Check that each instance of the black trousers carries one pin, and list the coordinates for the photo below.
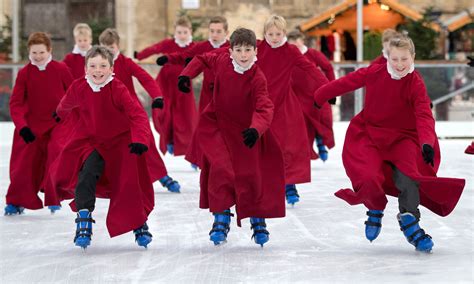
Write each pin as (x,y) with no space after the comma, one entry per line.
(409,197)
(88,176)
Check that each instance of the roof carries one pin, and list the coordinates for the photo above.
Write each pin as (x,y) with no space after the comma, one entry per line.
(459,20)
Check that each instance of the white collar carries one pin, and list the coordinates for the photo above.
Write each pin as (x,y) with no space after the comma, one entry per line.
(183,43)
(239,69)
(77,50)
(278,44)
(96,88)
(385,54)
(304,49)
(395,76)
(42,67)
(218,44)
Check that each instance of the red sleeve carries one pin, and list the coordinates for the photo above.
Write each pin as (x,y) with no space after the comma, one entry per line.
(66,77)
(151,50)
(314,73)
(18,105)
(148,83)
(425,123)
(325,65)
(199,63)
(350,82)
(263,115)
(68,102)
(139,124)
(180,57)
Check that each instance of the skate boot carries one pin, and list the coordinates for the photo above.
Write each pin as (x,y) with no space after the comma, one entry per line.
(260,233)
(13,210)
(373,225)
(292,196)
(84,228)
(414,234)
(195,167)
(170,184)
(142,236)
(170,148)
(54,208)
(322,150)
(220,227)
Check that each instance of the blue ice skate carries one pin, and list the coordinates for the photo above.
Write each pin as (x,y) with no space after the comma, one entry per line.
(195,167)
(292,196)
(54,208)
(414,234)
(170,184)
(84,228)
(373,225)
(14,210)
(260,233)
(142,236)
(220,227)
(322,150)
(170,148)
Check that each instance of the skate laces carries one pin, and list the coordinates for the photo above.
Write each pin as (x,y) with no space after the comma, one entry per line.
(167,181)
(258,226)
(84,225)
(375,218)
(142,231)
(221,222)
(417,235)
(291,190)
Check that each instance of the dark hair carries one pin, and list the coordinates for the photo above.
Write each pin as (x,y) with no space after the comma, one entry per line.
(219,20)
(103,51)
(294,35)
(109,36)
(243,36)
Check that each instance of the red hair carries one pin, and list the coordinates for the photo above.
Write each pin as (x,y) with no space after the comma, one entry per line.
(39,38)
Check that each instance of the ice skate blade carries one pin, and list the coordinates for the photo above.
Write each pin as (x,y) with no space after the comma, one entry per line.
(219,243)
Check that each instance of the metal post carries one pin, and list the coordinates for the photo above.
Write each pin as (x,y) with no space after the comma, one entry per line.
(15,31)
(358,101)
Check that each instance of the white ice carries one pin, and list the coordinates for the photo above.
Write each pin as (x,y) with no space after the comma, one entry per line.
(320,240)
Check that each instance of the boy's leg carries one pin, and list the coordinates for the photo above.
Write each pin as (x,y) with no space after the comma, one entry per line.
(86,184)
(409,197)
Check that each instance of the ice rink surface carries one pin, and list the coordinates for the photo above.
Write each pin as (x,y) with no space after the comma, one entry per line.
(321,240)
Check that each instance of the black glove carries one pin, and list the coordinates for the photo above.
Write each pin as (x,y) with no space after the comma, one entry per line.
(157,103)
(135,54)
(137,148)
(184,84)
(187,60)
(162,60)
(250,136)
(428,154)
(27,135)
(471,61)
(332,101)
(56,117)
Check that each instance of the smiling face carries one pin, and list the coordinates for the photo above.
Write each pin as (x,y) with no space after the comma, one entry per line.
(98,69)
(400,59)
(83,42)
(243,54)
(217,33)
(182,34)
(274,35)
(39,54)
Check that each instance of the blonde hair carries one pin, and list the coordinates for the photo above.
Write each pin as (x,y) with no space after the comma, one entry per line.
(388,34)
(275,20)
(109,36)
(403,42)
(183,22)
(82,29)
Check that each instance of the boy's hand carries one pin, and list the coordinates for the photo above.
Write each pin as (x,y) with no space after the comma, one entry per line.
(471,61)
(27,135)
(428,154)
(184,84)
(250,136)
(56,117)
(162,60)
(332,101)
(135,54)
(157,103)
(187,60)
(137,148)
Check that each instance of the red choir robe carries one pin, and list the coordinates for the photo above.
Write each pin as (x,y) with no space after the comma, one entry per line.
(395,122)
(232,174)
(304,89)
(109,120)
(76,64)
(125,69)
(177,120)
(288,122)
(34,99)
(208,78)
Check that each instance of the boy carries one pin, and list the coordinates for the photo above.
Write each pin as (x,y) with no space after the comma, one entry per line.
(387,35)
(319,123)
(96,153)
(391,146)
(125,69)
(178,118)
(39,87)
(242,164)
(75,60)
